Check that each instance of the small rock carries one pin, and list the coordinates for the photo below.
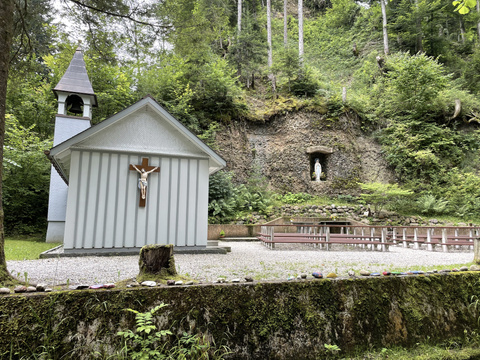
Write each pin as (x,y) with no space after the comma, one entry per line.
(303,276)
(375,274)
(81,287)
(317,275)
(179,282)
(4,291)
(109,286)
(41,287)
(249,279)
(95,287)
(444,271)
(31,289)
(48,290)
(150,283)
(20,289)
(170,282)
(474,268)
(464,268)
(189,283)
(220,280)
(454,270)
(331,275)
(351,273)
(235,280)
(133,284)
(430,272)
(364,272)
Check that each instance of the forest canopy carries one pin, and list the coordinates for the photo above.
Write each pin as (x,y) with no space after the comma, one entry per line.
(411,72)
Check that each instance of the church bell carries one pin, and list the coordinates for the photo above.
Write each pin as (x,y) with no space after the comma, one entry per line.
(74,104)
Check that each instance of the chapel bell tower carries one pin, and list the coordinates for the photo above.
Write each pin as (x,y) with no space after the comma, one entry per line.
(76,98)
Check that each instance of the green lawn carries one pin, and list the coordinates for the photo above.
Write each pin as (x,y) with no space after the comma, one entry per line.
(26,248)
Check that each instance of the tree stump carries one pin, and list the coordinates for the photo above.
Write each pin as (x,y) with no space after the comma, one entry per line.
(156,262)
(476,251)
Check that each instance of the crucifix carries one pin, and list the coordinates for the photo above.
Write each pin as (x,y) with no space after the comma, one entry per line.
(144,170)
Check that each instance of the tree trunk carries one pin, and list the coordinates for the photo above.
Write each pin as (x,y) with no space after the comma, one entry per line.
(269,41)
(385,33)
(300,31)
(239,30)
(285,32)
(269,33)
(418,24)
(462,31)
(478,23)
(156,262)
(6,35)
(239,18)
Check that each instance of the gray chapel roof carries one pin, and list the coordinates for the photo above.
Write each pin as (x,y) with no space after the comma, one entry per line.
(75,79)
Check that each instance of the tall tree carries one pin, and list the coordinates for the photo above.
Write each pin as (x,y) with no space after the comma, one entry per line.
(6,35)
(418,25)
(285,23)
(269,41)
(239,17)
(300,31)
(269,33)
(384,27)
(478,22)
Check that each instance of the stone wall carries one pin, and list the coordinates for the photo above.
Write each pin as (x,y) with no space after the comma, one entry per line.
(272,320)
(279,149)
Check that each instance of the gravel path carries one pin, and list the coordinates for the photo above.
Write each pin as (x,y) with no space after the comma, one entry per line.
(246,259)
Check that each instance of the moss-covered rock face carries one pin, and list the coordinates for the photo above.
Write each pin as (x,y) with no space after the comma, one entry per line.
(274,320)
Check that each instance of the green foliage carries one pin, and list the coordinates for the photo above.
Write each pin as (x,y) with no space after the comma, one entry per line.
(148,342)
(464,6)
(221,197)
(197,93)
(31,100)
(26,178)
(412,84)
(378,194)
(298,198)
(228,201)
(461,190)
(430,205)
(145,340)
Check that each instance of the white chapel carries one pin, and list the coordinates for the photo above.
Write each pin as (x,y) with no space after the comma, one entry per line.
(137,178)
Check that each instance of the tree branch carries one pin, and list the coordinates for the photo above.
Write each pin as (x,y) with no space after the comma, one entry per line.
(119,15)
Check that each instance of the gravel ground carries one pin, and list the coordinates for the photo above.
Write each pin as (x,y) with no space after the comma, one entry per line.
(245,259)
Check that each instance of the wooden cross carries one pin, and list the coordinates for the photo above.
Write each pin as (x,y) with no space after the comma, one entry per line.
(144,170)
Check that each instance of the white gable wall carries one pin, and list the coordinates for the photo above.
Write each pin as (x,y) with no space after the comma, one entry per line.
(142,131)
(103,211)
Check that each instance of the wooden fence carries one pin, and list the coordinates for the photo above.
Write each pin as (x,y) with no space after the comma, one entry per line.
(371,237)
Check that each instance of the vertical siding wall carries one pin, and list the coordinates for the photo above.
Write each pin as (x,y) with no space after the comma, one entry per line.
(103,211)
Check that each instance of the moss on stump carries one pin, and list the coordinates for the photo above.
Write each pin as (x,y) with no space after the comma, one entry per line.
(156,263)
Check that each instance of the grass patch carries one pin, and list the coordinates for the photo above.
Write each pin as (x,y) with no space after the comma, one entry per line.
(422,352)
(26,248)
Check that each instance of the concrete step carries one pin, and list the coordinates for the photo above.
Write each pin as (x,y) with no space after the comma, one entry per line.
(231,238)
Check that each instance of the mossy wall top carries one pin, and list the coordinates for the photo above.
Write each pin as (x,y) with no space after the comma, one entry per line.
(273,320)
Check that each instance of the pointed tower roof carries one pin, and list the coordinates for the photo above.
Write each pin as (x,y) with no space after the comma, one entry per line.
(75,79)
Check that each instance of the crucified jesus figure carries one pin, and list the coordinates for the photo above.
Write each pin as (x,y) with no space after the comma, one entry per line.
(142,181)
